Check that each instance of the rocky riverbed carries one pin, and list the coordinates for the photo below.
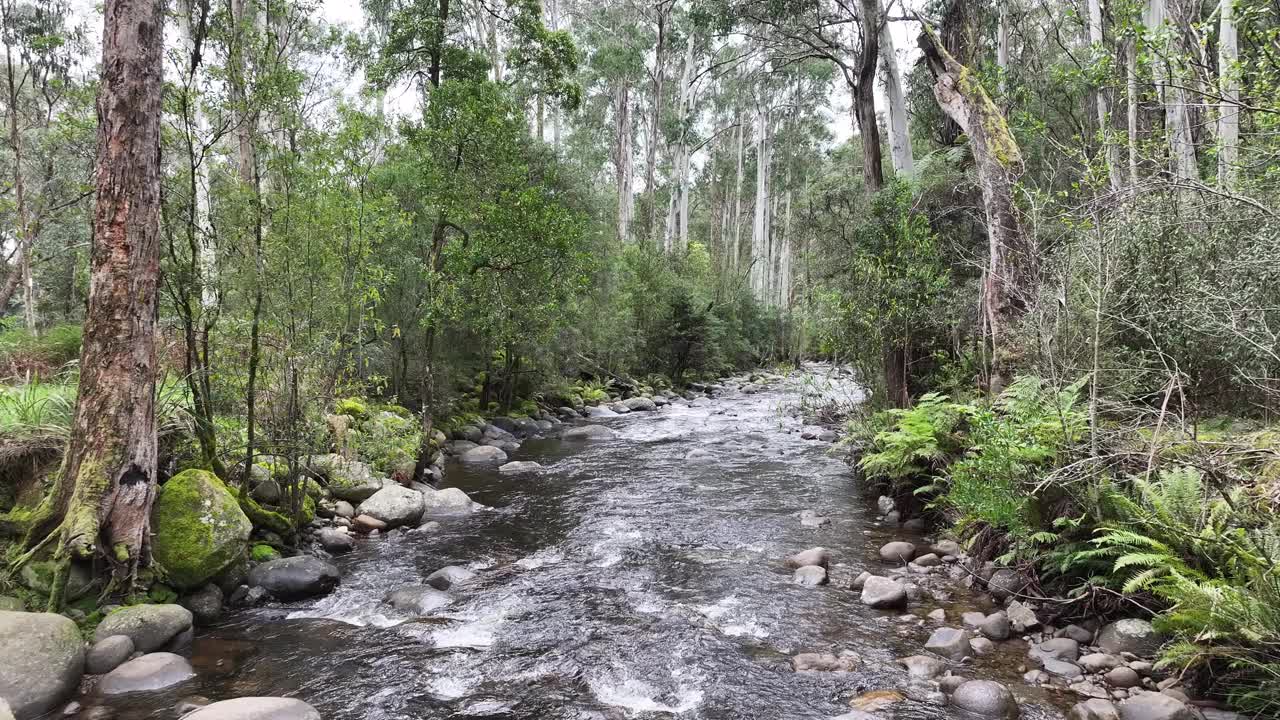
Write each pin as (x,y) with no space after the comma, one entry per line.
(701,555)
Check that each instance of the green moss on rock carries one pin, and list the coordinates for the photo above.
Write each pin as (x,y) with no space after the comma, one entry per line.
(262,553)
(199,528)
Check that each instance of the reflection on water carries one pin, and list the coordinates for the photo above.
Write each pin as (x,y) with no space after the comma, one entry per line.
(627,580)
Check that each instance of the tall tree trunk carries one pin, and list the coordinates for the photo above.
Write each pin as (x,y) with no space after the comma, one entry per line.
(1101,102)
(736,246)
(1229,89)
(761,224)
(1011,257)
(1131,109)
(107,483)
(1174,96)
(865,104)
(900,151)
(655,118)
(622,159)
(26,242)
(1002,47)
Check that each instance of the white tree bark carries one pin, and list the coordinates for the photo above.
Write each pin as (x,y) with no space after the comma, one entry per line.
(1131,101)
(1002,47)
(1229,89)
(623,155)
(207,259)
(899,133)
(1182,148)
(1101,102)
(761,224)
(736,256)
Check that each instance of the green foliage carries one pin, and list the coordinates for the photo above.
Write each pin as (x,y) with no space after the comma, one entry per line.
(918,442)
(37,409)
(388,441)
(22,352)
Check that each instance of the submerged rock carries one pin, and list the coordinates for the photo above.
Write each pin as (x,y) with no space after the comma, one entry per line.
(587,433)
(417,599)
(198,528)
(809,576)
(153,671)
(41,661)
(448,576)
(150,627)
(825,662)
(923,666)
(256,708)
(295,578)
(521,467)
(813,556)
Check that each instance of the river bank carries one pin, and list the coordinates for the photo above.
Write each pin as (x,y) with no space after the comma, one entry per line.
(639,573)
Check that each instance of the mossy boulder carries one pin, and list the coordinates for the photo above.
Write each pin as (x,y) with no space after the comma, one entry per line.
(38,575)
(263,553)
(348,480)
(199,528)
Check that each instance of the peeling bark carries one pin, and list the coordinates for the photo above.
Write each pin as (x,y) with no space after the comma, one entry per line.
(1011,255)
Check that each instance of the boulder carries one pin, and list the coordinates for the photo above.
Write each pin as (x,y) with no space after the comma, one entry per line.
(884,504)
(395,506)
(107,654)
(198,528)
(1130,636)
(417,599)
(1062,668)
(470,433)
(809,576)
(923,666)
(949,683)
(484,455)
(882,593)
(1057,649)
(1100,662)
(597,411)
(256,708)
(344,509)
(928,560)
(985,699)
(448,576)
(367,524)
(205,604)
(1005,582)
(1123,677)
(458,447)
(1021,617)
(449,501)
(348,480)
(813,556)
(1093,709)
(995,626)
(153,671)
(150,627)
(335,541)
(1077,633)
(1154,706)
(859,580)
(814,521)
(897,552)
(950,643)
(41,661)
(295,578)
(521,467)
(825,662)
(640,404)
(620,408)
(942,548)
(588,433)
(981,646)
(38,576)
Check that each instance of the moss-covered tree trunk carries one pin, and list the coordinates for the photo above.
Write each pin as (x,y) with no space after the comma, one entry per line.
(1011,254)
(102,501)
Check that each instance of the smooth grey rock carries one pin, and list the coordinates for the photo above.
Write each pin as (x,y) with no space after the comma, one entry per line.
(521,467)
(809,576)
(344,509)
(986,699)
(640,404)
(41,661)
(448,576)
(107,654)
(152,671)
(981,645)
(882,593)
(256,708)
(995,626)
(1021,617)
(923,666)
(1077,633)
(1056,648)
(950,643)
(449,501)
(928,560)
(859,581)
(458,447)
(599,411)
(588,433)
(417,599)
(396,505)
(813,556)
(295,578)
(1094,709)
(1062,668)
(943,548)
(1005,582)
(1130,636)
(949,683)
(1100,662)
(620,408)
(1154,706)
(973,619)
(1123,677)
(484,455)
(898,551)
(884,504)
(205,604)
(825,662)
(335,541)
(149,626)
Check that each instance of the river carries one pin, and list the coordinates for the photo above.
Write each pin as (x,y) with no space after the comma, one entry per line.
(626,581)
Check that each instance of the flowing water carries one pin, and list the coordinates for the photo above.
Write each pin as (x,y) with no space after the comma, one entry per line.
(626,581)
